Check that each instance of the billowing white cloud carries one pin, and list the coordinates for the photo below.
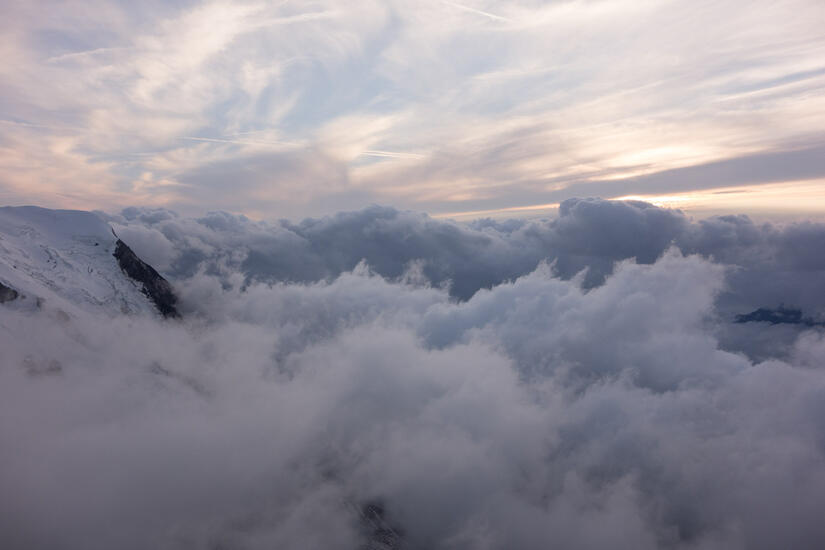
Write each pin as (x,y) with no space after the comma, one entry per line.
(542,408)
(588,233)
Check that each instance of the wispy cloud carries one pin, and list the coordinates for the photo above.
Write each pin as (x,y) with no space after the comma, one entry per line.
(477,116)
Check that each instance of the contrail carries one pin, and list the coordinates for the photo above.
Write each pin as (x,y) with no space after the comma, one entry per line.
(241,142)
(227,139)
(391,154)
(496,210)
(48,126)
(77,55)
(477,11)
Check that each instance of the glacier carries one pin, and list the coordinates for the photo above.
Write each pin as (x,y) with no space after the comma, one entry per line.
(69,259)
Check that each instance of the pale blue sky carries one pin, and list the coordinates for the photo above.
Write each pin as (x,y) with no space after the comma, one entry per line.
(293,108)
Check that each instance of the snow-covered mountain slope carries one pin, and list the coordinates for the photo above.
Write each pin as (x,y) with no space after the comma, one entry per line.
(66,259)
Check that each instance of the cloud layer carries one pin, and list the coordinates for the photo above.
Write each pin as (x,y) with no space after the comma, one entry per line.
(769,263)
(534,405)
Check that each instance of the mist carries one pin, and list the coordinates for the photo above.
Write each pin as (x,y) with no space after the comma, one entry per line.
(576,382)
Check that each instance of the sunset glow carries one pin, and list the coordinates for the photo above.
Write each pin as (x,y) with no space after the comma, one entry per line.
(803,199)
(443,107)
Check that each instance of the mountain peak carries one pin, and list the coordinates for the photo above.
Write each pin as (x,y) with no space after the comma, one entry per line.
(73,259)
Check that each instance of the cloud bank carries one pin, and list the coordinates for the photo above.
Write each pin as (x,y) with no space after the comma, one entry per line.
(471,381)
(767,263)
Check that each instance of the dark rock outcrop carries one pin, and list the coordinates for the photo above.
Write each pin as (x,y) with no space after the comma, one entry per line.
(379,534)
(154,286)
(7,294)
(778,316)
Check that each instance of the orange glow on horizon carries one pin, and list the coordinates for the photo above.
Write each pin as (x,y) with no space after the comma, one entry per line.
(802,198)
(786,200)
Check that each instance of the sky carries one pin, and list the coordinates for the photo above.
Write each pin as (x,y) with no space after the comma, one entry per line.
(459,109)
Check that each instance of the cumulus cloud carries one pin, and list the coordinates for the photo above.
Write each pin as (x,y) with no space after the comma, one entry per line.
(325,366)
(768,263)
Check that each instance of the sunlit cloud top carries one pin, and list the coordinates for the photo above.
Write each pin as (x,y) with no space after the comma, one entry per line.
(291,108)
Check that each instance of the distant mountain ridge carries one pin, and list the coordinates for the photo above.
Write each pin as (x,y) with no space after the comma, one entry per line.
(779,316)
(73,259)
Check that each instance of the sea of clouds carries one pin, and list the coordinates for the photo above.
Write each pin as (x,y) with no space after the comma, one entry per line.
(571,383)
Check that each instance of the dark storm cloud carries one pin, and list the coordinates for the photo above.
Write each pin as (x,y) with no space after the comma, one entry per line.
(550,409)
